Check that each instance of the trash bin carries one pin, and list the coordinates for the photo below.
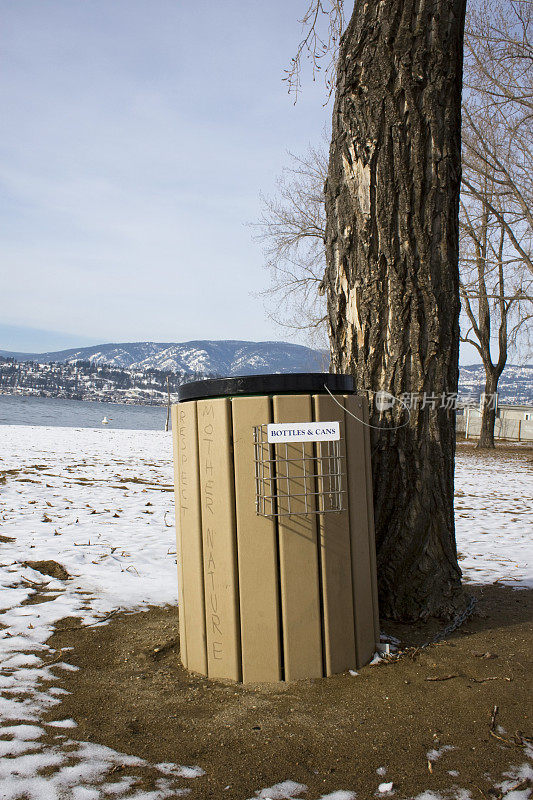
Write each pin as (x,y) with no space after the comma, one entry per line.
(275,535)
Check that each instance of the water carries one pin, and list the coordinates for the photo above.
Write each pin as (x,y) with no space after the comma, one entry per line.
(15,410)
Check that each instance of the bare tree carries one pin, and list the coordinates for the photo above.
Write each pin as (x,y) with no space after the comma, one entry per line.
(392,278)
(498,113)
(496,291)
(392,248)
(291,230)
(497,187)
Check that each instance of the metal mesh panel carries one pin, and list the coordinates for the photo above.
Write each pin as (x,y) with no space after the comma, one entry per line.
(298,478)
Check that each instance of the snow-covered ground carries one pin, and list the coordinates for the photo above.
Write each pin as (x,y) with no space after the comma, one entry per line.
(100,503)
(494,519)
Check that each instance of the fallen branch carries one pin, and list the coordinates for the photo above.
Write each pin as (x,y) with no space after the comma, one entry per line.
(518,740)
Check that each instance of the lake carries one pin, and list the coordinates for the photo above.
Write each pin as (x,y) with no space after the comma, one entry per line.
(16,410)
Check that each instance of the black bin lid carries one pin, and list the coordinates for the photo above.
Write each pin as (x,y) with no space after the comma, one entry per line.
(289,383)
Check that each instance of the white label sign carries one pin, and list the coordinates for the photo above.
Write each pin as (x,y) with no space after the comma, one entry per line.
(303,432)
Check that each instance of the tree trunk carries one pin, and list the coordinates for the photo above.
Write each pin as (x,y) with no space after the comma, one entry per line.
(392,279)
(488,412)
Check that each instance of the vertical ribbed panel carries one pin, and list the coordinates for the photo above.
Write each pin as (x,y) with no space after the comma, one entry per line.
(363,601)
(179,547)
(257,549)
(219,539)
(335,557)
(192,612)
(300,597)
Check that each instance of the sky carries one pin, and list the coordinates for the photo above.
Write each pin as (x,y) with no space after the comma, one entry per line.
(137,141)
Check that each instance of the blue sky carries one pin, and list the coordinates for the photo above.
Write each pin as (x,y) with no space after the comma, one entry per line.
(137,139)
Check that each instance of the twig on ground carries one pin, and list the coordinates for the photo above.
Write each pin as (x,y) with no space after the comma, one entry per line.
(89,625)
(518,740)
(442,677)
(522,784)
(34,584)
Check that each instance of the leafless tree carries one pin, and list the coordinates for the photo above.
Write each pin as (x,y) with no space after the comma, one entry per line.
(496,193)
(392,278)
(392,245)
(498,113)
(496,298)
(496,218)
(291,229)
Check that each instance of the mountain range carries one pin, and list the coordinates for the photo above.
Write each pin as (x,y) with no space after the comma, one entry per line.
(226,357)
(229,357)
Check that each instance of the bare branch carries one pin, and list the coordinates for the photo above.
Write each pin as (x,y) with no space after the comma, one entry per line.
(322,27)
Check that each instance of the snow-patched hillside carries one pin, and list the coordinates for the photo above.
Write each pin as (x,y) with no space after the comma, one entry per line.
(209,357)
(228,357)
(515,386)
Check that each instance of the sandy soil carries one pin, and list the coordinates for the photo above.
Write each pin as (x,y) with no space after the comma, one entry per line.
(329,734)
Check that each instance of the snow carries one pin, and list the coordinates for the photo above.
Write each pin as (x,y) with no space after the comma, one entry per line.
(522,773)
(494,519)
(434,755)
(342,794)
(100,503)
(385,788)
(290,790)
(282,791)
(78,479)
(453,794)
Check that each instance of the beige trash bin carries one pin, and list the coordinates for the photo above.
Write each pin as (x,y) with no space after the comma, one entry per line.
(276,554)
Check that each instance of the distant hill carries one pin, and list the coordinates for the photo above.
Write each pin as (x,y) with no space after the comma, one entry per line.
(515,385)
(209,357)
(228,357)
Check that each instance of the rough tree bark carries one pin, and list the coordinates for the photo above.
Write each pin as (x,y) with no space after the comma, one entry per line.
(392,279)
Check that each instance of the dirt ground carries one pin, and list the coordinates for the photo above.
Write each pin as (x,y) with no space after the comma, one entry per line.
(329,734)
(502,448)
